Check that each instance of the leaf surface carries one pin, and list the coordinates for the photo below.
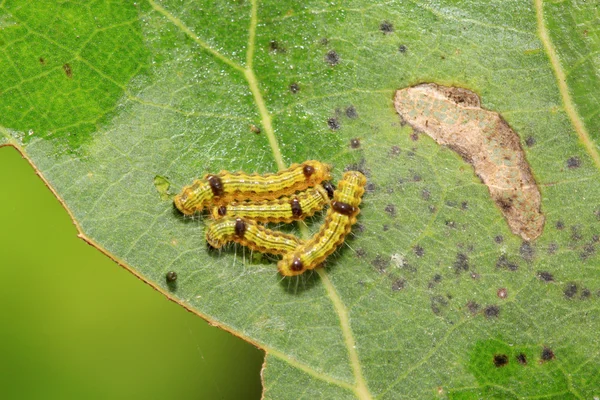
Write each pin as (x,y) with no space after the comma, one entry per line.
(120,105)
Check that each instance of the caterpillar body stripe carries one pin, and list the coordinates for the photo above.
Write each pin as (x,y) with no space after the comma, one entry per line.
(250,234)
(338,223)
(226,187)
(285,209)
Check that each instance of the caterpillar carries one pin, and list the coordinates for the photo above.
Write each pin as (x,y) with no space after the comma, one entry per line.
(338,223)
(250,234)
(225,187)
(285,209)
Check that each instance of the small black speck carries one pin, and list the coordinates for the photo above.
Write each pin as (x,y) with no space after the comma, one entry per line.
(547,354)
(391,210)
(527,251)
(500,360)
(386,228)
(464,205)
(522,358)
(294,88)
(570,290)
(461,263)
(171,276)
(451,224)
(530,141)
(355,143)
(573,162)
(398,285)
(386,27)
(491,311)
(545,276)
(588,250)
(351,112)
(324,41)
(504,263)
(499,239)
(68,70)
(402,48)
(585,293)
(360,252)
(275,47)
(333,124)
(417,178)
(419,251)
(560,225)
(332,58)
(42,61)
(576,234)
(414,137)
(473,307)
(395,151)
(370,188)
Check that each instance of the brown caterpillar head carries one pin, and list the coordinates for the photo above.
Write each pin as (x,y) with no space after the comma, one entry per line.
(193,198)
(316,172)
(291,265)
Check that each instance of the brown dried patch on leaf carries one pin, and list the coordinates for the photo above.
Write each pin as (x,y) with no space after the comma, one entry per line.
(453,117)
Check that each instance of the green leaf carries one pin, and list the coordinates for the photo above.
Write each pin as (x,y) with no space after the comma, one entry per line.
(432,295)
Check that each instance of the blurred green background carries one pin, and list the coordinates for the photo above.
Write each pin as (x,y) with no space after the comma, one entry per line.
(76,325)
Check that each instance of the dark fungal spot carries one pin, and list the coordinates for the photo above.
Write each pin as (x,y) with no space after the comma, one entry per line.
(588,250)
(343,208)
(414,136)
(417,178)
(522,358)
(360,252)
(333,124)
(438,303)
(398,284)
(240,228)
(491,311)
(391,210)
(216,185)
(402,48)
(570,290)
(386,228)
(527,251)
(552,247)
(42,61)
(386,27)
(296,207)
(464,205)
(545,276)
(294,88)
(308,170)
(502,293)
(328,188)
(419,251)
(585,293)
(355,143)
(437,278)
(297,265)
(370,188)
(394,151)
(171,276)
(254,128)
(499,239)
(504,263)
(560,225)
(530,141)
(576,234)
(324,41)
(500,360)
(68,70)
(473,307)
(351,112)
(461,263)
(547,354)
(222,210)
(573,162)
(332,58)
(379,263)
(276,47)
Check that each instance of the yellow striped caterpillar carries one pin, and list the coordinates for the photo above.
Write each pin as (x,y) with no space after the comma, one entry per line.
(338,223)
(226,187)
(285,209)
(250,234)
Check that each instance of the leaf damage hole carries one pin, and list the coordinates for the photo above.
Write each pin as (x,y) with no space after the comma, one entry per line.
(454,117)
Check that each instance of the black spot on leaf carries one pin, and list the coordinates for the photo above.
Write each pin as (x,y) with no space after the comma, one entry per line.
(570,290)
(504,263)
(333,124)
(419,251)
(498,239)
(545,276)
(276,47)
(491,311)
(530,141)
(294,88)
(391,210)
(522,358)
(438,303)
(380,264)
(461,263)
(576,233)
(500,360)
(332,58)
(395,150)
(473,307)
(355,143)
(527,251)
(386,27)
(351,112)
(573,162)
(402,48)
(560,225)
(398,284)
(68,70)
(547,354)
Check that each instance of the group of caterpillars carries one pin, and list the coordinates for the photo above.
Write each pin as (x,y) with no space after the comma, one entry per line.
(240,202)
